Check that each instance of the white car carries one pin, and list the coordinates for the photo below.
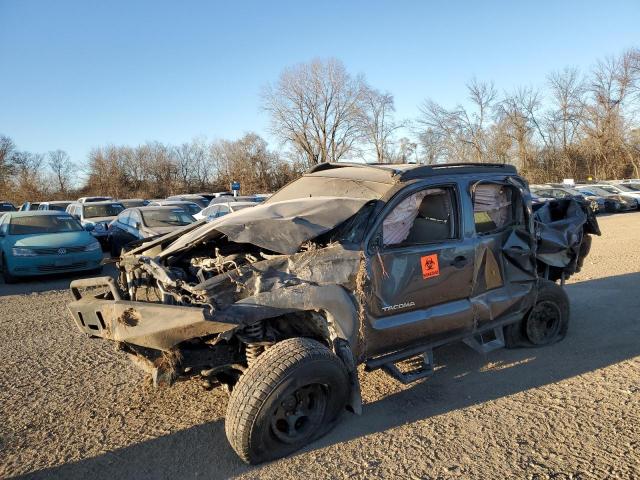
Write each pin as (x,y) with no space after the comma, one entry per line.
(619,189)
(221,209)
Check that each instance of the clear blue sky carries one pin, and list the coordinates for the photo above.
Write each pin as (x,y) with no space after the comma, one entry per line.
(79,74)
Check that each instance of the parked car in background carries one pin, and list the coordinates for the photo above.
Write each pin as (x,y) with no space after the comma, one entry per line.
(58,206)
(564,191)
(239,198)
(635,186)
(263,196)
(620,190)
(629,180)
(28,206)
(133,202)
(96,216)
(211,195)
(41,242)
(6,206)
(198,199)
(539,199)
(622,203)
(222,209)
(94,199)
(190,207)
(144,222)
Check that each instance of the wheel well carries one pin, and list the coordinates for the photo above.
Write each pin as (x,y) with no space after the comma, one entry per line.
(305,323)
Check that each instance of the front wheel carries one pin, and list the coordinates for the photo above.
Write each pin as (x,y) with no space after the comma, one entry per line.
(292,395)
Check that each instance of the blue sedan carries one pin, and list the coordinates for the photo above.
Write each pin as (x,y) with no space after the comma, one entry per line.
(42,242)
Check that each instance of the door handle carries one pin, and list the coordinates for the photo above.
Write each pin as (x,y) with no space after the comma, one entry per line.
(460,261)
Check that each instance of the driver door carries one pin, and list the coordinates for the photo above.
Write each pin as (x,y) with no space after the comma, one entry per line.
(420,270)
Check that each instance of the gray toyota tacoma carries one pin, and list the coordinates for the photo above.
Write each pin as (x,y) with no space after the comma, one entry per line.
(350,264)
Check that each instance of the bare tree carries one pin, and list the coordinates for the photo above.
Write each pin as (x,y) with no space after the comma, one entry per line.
(249,161)
(377,122)
(483,96)
(62,168)
(461,133)
(432,146)
(315,108)
(518,112)
(7,149)
(604,117)
(28,178)
(567,94)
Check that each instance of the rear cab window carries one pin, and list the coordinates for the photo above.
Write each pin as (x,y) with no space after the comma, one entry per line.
(496,206)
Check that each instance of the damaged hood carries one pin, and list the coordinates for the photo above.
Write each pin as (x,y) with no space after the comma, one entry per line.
(281,227)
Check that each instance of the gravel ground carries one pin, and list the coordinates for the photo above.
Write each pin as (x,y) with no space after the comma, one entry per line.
(73,408)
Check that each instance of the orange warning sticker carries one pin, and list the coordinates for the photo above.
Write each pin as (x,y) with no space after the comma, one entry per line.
(430,266)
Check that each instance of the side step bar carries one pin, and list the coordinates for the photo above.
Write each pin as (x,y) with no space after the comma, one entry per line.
(485,342)
(423,371)
(482,345)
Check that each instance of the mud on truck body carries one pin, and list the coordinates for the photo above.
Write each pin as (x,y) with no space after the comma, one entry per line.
(350,264)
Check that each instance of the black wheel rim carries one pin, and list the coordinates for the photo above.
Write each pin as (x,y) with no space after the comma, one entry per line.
(299,414)
(544,323)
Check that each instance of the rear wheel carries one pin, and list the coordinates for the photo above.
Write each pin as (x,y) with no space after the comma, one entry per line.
(292,395)
(547,322)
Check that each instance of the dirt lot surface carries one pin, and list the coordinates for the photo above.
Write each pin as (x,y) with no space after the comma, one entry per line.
(73,408)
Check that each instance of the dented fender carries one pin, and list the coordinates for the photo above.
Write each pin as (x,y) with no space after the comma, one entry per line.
(334,301)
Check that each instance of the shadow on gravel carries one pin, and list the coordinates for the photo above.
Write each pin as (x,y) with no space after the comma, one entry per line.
(604,330)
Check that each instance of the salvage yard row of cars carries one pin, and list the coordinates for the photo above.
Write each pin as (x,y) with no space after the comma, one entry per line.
(609,197)
(118,223)
(63,236)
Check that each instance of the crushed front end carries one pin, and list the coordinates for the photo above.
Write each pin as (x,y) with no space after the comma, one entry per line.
(196,303)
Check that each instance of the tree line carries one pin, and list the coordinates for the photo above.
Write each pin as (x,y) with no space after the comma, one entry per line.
(577,125)
(151,170)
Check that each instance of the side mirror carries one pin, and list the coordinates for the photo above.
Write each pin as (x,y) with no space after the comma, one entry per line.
(138,226)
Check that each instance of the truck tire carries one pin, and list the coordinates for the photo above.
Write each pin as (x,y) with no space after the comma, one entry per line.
(547,322)
(293,394)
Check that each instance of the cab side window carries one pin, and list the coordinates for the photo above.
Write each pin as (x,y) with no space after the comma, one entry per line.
(427,216)
(495,206)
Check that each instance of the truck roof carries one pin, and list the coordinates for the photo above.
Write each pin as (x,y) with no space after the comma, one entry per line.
(392,172)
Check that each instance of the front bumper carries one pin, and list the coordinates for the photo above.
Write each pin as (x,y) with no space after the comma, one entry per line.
(48,264)
(150,325)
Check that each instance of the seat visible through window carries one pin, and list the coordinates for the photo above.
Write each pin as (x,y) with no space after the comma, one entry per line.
(433,222)
(427,216)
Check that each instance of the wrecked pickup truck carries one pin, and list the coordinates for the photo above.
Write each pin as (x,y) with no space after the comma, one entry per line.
(350,264)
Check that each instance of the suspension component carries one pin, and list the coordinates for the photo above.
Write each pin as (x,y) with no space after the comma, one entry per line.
(253,350)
